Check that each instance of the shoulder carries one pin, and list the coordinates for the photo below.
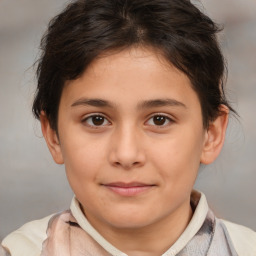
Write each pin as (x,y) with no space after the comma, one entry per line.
(243,238)
(28,239)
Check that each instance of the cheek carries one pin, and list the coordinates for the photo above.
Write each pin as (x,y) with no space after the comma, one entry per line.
(82,170)
(83,158)
(178,157)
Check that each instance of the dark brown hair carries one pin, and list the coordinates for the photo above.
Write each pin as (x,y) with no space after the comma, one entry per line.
(86,29)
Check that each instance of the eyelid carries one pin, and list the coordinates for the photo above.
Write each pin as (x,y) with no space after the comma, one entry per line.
(168,117)
(86,117)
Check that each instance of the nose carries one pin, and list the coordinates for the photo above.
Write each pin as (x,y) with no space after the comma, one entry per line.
(126,149)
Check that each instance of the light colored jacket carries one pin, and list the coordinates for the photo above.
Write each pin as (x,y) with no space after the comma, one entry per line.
(70,233)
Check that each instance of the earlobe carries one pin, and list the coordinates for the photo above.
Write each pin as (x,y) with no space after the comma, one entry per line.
(215,137)
(51,139)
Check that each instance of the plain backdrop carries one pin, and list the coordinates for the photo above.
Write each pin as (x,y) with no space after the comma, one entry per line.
(33,186)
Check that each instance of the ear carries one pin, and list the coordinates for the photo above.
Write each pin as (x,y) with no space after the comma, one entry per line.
(51,139)
(215,136)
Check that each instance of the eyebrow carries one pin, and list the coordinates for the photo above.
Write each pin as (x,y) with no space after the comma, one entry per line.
(161,103)
(142,105)
(92,102)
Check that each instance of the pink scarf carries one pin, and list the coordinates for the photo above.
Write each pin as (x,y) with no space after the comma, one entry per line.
(67,238)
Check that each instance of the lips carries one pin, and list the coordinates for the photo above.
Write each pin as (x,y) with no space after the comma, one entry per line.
(128,189)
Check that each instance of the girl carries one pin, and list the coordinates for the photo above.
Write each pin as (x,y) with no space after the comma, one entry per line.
(130,98)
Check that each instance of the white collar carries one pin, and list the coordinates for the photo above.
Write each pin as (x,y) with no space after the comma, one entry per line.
(194,225)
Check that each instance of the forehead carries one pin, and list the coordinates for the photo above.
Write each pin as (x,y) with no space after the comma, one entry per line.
(130,76)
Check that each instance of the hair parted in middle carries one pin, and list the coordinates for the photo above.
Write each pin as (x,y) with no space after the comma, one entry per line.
(88,29)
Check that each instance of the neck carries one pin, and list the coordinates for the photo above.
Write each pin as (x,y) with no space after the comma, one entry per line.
(154,239)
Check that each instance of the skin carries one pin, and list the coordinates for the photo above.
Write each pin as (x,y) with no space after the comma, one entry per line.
(132,173)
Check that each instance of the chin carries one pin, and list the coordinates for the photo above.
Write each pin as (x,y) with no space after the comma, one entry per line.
(129,220)
(129,224)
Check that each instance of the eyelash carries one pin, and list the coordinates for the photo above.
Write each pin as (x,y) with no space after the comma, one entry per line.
(85,121)
(166,119)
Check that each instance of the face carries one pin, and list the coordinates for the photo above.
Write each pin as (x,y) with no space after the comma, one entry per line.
(131,137)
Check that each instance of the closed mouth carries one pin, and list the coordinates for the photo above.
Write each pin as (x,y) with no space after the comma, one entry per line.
(128,189)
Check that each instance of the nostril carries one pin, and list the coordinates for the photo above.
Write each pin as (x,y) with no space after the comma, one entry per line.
(126,166)
(117,164)
(126,155)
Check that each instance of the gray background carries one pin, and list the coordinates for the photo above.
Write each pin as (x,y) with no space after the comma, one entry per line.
(32,186)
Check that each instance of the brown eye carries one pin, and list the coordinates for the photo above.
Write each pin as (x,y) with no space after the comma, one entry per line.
(96,120)
(159,120)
